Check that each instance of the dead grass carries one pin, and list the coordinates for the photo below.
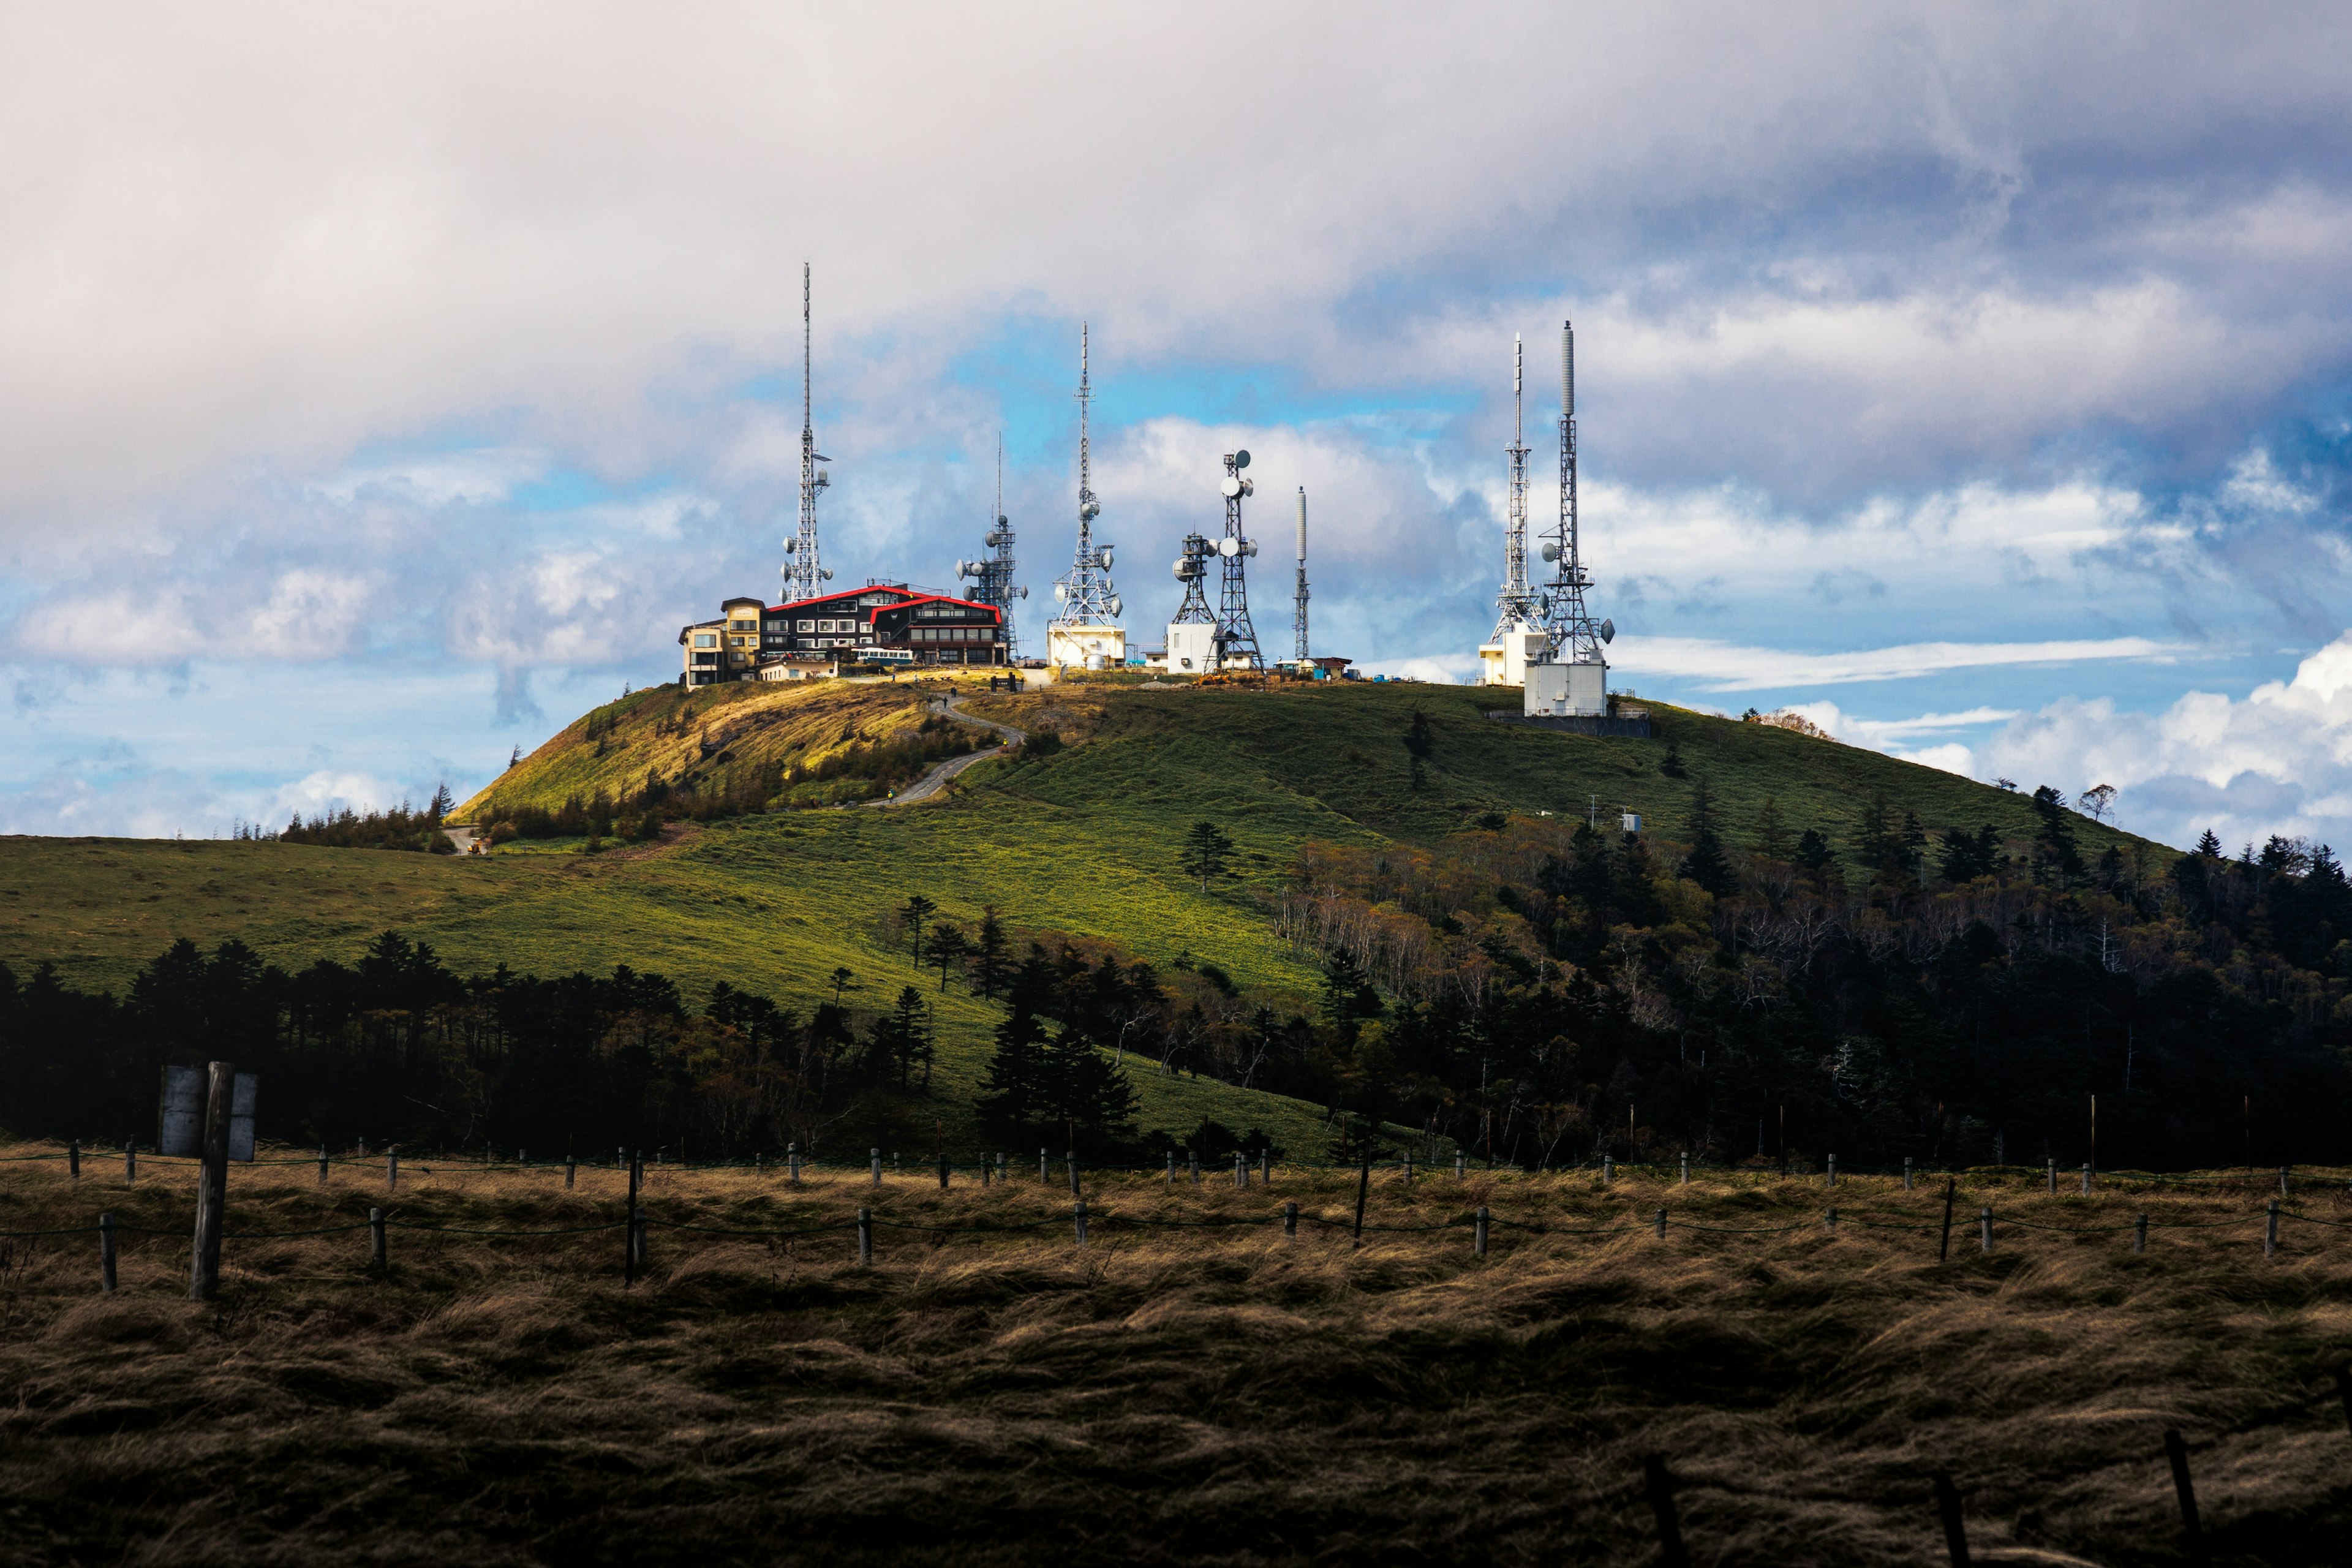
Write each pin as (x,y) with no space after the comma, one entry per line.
(1168,1394)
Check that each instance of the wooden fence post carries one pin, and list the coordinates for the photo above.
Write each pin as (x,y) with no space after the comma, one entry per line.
(2270,1229)
(130,1162)
(2283,1170)
(1042,1177)
(792,1163)
(571,1172)
(1241,1170)
(1364,1191)
(1832,1172)
(106,1253)
(2139,1233)
(1984,1218)
(1687,1167)
(1461,1164)
(1408,1167)
(1829,1220)
(1478,1234)
(1907,1173)
(2344,1392)
(391,1168)
(1264,1165)
(1193,1164)
(1660,1220)
(874,1160)
(943,1170)
(865,1236)
(1956,1530)
(1071,1165)
(2178,1452)
(2053,1164)
(1951,1189)
(1660,1487)
(1608,1169)
(1290,1219)
(73,1158)
(1081,1217)
(375,1239)
(212,1182)
(322,1165)
(1172,1169)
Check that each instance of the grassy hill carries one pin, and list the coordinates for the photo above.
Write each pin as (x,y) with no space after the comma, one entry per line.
(1080,844)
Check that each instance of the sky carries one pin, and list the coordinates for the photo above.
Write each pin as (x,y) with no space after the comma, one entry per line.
(379,390)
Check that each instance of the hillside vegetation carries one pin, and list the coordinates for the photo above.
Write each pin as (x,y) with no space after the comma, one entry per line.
(1397,951)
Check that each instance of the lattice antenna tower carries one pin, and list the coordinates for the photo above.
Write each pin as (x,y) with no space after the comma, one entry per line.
(1236,639)
(1085,594)
(1299,604)
(802,571)
(1570,635)
(1517,602)
(1192,570)
(991,576)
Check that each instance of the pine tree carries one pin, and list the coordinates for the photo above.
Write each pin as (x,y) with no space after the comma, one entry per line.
(1672,767)
(1771,831)
(1014,1092)
(1813,856)
(2208,846)
(1206,850)
(1418,745)
(989,966)
(914,916)
(949,946)
(1707,864)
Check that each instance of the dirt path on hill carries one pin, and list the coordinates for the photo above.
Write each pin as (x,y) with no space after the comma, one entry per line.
(932,782)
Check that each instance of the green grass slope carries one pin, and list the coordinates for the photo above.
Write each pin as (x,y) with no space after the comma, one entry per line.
(1082,844)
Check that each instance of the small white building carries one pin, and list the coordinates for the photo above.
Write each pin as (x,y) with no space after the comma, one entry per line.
(1504,661)
(1566,690)
(1070,645)
(1191,648)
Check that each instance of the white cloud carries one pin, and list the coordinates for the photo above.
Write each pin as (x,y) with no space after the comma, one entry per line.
(1724,666)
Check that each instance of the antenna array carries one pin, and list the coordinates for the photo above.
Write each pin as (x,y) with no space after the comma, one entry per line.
(1085,595)
(991,576)
(1299,610)
(1570,636)
(803,573)
(1518,602)
(1236,639)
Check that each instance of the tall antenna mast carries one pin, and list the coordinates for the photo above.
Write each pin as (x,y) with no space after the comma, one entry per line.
(1085,594)
(1236,639)
(803,573)
(1517,602)
(1570,636)
(1300,611)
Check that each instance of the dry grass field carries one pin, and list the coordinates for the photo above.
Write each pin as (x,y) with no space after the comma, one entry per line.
(989,1393)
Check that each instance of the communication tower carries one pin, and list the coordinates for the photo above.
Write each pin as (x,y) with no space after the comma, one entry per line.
(803,573)
(1517,602)
(1194,633)
(1572,678)
(1299,613)
(1085,629)
(991,576)
(1237,639)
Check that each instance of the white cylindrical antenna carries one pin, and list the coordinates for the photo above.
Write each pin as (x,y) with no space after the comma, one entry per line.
(1518,377)
(1566,371)
(1302,522)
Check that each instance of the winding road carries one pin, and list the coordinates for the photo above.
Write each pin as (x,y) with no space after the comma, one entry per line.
(931,783)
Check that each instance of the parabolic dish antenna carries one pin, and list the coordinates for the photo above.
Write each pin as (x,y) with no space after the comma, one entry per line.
(1229,546)
(1609,631)
(1241,459)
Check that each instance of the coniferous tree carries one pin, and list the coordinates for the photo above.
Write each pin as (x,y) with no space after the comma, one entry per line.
(2208,845)
(1418,745)
(1707,864)
(1672,765)
(2054,852)
(1771,831)
(1206,850)
(989,968)
(915,918)
(1813,856)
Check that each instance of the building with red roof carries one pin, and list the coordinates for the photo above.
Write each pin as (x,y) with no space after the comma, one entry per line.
(883,622)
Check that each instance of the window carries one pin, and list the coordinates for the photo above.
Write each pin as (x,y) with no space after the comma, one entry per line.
(706,639)
(804,625)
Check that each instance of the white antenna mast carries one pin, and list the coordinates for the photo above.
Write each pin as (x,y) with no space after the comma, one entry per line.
(1301,617)
(803,574)
(1517,602)
(1085,594)
(1571,637)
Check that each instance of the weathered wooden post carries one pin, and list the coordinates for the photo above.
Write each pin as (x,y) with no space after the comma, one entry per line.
(1661,1487)
(73,1158)
(1907,1173)
(1071,1165)
(792,1163)
(873,1163)
(2086,1180)
(943,1170)
(392,1167)
(212,1182)
(2270,1229)
(1829,1220)
(2282,1170)
(1081,1215)
(2139,1233)
(866,1236)
(571,1172)
(1363,1192)
(322,1165)
(375,1239)
(1659,1219)
(1290,1219)
(2053,1164)
(1461,1164)
(1832,1172)
(1955,1531)
(2191,1529)
(106,1253)
(1172,1169)
(1042,1177)
(1687,1167)
(130,1162)
(1192,1166)
(1241,1169)
(1478,1234)
(1984,1220)
(1264,1165)
(1608,1169)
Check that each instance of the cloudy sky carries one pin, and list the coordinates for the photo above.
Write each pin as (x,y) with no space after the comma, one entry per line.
(379,390)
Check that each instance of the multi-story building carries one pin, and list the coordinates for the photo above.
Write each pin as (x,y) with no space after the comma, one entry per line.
(882,622)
